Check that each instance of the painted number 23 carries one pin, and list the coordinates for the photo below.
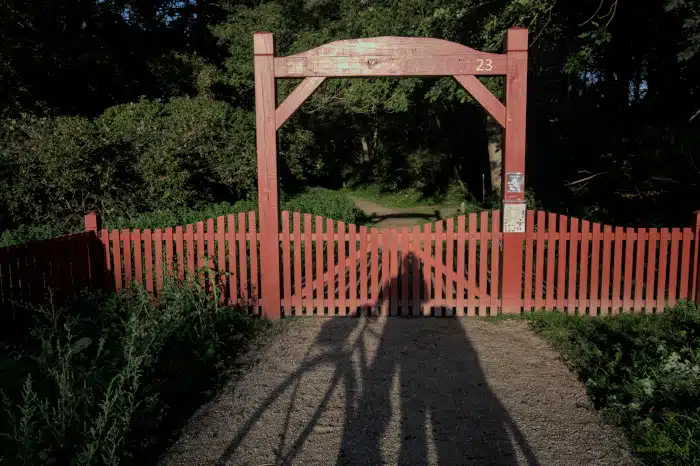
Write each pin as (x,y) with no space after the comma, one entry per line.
(484,64)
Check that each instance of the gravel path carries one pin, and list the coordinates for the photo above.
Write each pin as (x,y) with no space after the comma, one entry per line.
(393,217)
(401,391)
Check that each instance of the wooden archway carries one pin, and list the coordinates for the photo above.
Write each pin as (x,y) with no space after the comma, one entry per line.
(392,56)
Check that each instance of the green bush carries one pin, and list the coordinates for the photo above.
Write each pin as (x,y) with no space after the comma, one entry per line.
(111,378)
(643,372)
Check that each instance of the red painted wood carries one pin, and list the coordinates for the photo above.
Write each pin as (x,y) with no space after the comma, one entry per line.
(595,270)
(148,258)
(461,283)
(685,262)
(364,264)
(390,56)
(606,266)
(386,271)
(374,276)
(126,239)
(242,259)
(695,266)
(221,256)
(404,271)
(639,269)
(320,288)
(330,267)
(427,267)
(342,270)
(440,266)
(471,277)
(617,270)
(481,94)
(308,260)
(138,256)
(200,252)
(104,239)
(673,267)
(169,251)
(649,301)
(296,99)
(529,247)
(628,268)
(415,270)
(268,189)
(286,265)
(209,267)
(449,265)
(583,268)
(116,251)
(551,250)
(273,311)
(662,283)
(573,265)
(232,276)
(484,232)
(394,280)
(180,253)
(158,240)
(495,256)
(298,276)
(561,262)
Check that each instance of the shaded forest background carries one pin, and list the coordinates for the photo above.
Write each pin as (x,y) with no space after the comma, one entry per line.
(125,106)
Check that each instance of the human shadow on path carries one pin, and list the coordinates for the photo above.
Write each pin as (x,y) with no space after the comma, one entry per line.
(445,409)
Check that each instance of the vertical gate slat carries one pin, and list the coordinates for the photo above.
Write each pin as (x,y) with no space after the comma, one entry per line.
(189,245)
(573,265)
(342,268)
(148,256)
(449,264)
(386,271)
(495,265)
(539,261)
(330,265)
(594,303)
(308,265)
(232,277)
(673,267)
(242,259)
(210,254)
(529,246)
(583,271)
(663,266)
(116,248)
(649,302)
(404,272)
(221,256)
(427,267)
(109,281)
(439,270)
(484,232)
(471,279)
(138,258)
(639,269)
(180,252)
(254,288)
(200,252)
(374,290)
(607,268)
(158,239)
(561,262)
(552,237)
(364,263)
(630,244)
(415,272)
(169,251)
(394,274)
(617,270)
(126,238)
(462,281)
(685,262)
(286,265)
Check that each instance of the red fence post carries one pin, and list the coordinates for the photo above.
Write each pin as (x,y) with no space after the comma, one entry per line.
(268,189)
(514,172)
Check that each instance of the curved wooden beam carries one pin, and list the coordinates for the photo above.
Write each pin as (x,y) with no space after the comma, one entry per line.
(295,99)
(482,95)
(391,56)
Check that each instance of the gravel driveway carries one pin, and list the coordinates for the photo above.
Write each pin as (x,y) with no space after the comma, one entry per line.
(372,391)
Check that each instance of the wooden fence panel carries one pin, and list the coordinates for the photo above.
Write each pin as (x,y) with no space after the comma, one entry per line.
(529,251)
(495,264)
(650,302)
(415,272)
(286,265)
(596,238)
(639,270)
(342,271)
(462,281)
(583,268)
(298,248)
(673,267)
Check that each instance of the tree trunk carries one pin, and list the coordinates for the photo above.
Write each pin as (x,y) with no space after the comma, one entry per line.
(494,134)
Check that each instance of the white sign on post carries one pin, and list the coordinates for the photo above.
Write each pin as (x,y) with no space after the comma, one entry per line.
(514,217)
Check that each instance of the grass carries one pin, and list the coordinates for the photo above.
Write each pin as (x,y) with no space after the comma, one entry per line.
(407,198)
(110,378)
(642,372)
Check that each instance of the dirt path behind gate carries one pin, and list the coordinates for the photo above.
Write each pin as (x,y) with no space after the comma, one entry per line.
(402,391)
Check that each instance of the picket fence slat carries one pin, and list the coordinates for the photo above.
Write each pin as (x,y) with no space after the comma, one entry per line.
(495,256)
(639,269)
(158,240)
(663,268)
(117,260)
(330,267)
(629,245)
(685,262)
(342,270)
(254,288)
(583,300)
(529,246)
(308,276)
(650,302)
(595,300)
(221,257)
(472,302)
(180,253)
(148,257)
(319,266)
(673,267)
(169,252)
(462,282)
(415,270)
(286,265)
(374,266)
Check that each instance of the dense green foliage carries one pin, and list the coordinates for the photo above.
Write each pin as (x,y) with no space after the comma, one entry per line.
(126,107)
(643,372)
(109,379)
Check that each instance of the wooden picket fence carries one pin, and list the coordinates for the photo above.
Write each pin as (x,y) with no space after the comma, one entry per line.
(449,267)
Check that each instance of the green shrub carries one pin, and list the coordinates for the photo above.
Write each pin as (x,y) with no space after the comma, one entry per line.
(109,379)
(643,372)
